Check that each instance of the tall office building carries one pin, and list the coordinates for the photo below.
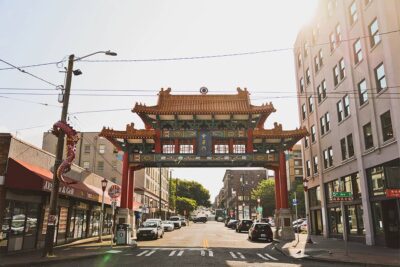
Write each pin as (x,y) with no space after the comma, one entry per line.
(347,69)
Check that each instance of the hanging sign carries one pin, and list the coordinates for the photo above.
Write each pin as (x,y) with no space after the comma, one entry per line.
(114,191)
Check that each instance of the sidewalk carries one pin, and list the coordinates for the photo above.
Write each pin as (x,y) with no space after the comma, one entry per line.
(333,250)
(85,248)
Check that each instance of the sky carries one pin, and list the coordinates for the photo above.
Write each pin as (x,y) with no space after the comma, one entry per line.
(46,31)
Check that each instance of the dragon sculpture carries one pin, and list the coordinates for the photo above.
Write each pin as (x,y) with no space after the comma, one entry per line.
(72,138)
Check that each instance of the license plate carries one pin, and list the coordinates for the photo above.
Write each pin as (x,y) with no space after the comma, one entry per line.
(262,235)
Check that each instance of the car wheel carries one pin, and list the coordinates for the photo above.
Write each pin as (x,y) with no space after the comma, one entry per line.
(162,235)
(156,237)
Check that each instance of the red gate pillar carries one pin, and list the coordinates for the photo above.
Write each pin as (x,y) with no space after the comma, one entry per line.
(277,189)
(283,181)
(131,187)
(125,182)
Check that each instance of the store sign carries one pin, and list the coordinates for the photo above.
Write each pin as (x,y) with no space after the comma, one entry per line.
(52,220)
(66,190)
(395,193)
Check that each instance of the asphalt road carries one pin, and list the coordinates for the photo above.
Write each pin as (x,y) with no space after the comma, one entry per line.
(209,244)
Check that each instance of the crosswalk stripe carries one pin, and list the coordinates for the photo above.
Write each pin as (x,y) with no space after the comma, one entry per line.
(172,253)
(262,257)
(233,255)
(151,252)
(240,255)
(144,252)
(180,253)
(203,253)
(210,253)
(269,256)
(128,254)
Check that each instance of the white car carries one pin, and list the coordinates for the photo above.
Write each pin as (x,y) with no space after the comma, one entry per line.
(168,225)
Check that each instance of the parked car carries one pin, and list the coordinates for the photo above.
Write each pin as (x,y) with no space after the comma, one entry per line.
(227,220)
(303,226)
(177,221)
(150,230)
(200,219)
(183,221)
(232,223)
(260,231)
(297,223)
(168,225)
(244,225)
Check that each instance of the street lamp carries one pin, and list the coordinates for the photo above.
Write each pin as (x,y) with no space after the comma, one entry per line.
(103,187)
(243,204)
(49,241)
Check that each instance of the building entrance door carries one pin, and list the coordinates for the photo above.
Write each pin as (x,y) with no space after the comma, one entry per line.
(391,223)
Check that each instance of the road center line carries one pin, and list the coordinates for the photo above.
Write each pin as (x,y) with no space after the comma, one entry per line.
(269,256)
(262,257)
(144,252)
(233,255)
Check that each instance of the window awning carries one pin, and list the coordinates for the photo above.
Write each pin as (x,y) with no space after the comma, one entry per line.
(25,176)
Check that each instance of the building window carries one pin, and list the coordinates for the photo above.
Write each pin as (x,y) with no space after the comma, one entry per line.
(321,58)
(306,140)
(315,164)
(358,56)
(362,92)
(221,147)
(366,2)
(342,69)
(311,104)
(328,157)
(346,105)
(239,148)
(350,146)
(299,62)
(102,149)
(386,123)
(339,109)
(86,149)
(332,41)
(339,72)
(308,76)
(308,168)
(368,139)
(321,91)
(313,134)
(335,75)
(316,63)
(374,33)
(315,196)
(168,148)
(100,165)
(325,123)
(377,180)
(303,111)
(380,77)
(301,85)
(353,12)
(343,148)
(338,34)
(86,165)
(186,148)
(305,49)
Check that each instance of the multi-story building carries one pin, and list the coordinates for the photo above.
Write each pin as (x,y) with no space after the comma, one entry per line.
(294,166)
(347,71)
(238,185)
(95,154)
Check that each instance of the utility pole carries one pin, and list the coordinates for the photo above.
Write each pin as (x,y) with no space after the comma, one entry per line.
(169,192)
(51,220)
(159,200)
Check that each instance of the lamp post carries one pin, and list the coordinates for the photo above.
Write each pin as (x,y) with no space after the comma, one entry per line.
(51,225)
(243,204)
(103,187)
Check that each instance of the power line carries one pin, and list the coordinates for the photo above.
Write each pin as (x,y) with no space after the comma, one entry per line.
(29,101)
(206,56)
(25,72)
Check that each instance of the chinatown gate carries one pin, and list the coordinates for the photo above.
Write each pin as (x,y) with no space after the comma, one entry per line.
(205,130)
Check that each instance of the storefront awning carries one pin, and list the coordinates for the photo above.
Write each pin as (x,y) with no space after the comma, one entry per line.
(25,176)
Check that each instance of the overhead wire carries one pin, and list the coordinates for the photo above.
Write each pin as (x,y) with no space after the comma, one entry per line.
(29,101)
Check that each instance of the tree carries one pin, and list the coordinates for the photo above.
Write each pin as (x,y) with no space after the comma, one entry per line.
(265,191)
(185,204)
(192,190)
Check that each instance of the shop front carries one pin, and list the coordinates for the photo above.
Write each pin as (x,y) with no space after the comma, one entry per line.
(314,195)
(27,205)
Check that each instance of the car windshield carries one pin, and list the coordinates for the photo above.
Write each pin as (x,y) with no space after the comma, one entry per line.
(261,226)
(174,219)
(149,224)
(166,222)
(247,221)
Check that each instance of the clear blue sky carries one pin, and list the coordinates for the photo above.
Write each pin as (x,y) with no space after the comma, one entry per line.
(46,31)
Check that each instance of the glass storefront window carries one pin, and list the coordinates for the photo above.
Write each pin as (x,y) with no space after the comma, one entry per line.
(5,226)
(18,219)
(378,221)
(31,226)
(315,196)
(377,179)
(335,221)
(355,220)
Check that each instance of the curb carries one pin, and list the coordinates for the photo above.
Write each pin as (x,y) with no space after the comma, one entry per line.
(69,258)
(311,258)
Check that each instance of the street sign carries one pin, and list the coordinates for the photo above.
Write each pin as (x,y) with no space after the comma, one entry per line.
(114,191)
(342,196)
(295,202)
(393,193)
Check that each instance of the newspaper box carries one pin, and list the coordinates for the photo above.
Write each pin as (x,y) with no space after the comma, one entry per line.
(124,234)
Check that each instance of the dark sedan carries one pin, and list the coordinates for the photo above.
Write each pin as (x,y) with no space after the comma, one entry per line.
(232,224)
(260,231)
(244,225)
(200,219)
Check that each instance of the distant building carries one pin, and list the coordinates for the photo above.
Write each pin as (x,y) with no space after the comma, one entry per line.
(347,69)
(238,185)
(294,166)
